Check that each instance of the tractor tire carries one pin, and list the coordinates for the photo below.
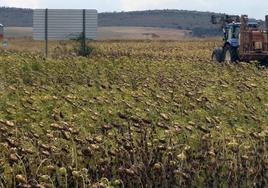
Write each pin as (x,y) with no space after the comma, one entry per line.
(264,62)
(230,54)
(217,55)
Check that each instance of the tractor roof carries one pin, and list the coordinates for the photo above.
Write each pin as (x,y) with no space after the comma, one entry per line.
(234,24)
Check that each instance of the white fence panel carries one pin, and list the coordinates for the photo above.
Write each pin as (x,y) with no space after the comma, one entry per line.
(64,24)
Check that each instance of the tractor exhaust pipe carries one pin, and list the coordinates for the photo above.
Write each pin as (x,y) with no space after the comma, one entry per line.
(266,35)
(266,22)
(244,21)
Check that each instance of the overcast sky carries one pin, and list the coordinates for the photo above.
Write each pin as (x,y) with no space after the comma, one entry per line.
(254,8)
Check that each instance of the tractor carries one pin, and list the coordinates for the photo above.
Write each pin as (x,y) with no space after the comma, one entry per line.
(1,31)
(243,40)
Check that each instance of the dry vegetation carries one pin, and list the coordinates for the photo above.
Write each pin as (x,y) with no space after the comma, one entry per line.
(134,114)
(141,33)
(18,32)
(112,33)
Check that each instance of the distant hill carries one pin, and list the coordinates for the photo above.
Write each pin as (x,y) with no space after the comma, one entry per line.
(16,17)
(179,19)
(198,22)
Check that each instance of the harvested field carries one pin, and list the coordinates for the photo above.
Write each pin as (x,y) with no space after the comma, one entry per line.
(133,114)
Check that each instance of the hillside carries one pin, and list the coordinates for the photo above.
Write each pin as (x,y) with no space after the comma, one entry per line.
(179,19)
(16,17)
(199,22)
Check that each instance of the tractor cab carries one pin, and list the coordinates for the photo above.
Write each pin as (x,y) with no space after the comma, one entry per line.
(231,34)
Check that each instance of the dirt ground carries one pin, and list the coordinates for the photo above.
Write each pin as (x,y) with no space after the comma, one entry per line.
(115,33)
(140,33)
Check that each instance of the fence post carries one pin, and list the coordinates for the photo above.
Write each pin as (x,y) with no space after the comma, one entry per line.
(46,32)
(84,33)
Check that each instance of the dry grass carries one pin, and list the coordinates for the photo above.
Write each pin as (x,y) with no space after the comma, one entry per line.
(115,33)
(141,33)
(18,32)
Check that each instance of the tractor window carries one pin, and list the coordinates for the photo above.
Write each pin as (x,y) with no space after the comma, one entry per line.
(230,33)
(235,32)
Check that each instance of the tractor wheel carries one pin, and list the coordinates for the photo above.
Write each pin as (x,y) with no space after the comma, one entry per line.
(264,62)
(217,55)
(230,54)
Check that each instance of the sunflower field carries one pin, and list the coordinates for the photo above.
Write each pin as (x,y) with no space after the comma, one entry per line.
(133,114)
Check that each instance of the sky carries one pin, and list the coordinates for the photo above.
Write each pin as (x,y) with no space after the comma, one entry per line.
(254,8)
